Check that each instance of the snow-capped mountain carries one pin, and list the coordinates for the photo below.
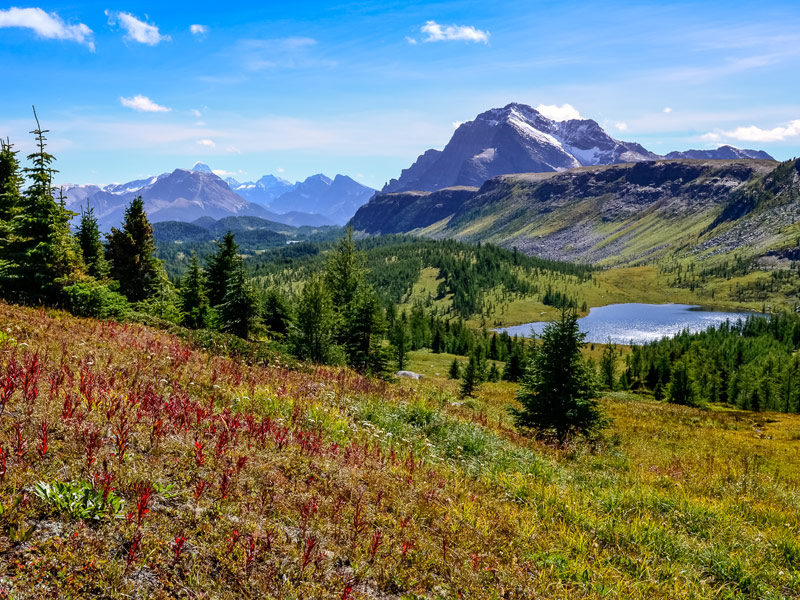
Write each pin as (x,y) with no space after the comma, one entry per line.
(517,139)
(263,191)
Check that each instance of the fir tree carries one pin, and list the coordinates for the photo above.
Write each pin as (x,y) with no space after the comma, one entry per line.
(11,182)
(194,301)
(238,313)
(345,272)
(608,366)
(558,392)
(515,365)
(365,328)
(401,340)
(220,267)
(132,254)
(88,236)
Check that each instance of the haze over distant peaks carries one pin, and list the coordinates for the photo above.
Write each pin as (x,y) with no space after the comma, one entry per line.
(519,139)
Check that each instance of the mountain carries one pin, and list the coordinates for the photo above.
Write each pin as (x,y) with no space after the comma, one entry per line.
(617,214)
(263,191)
(338,198)
(183,195)
(201,168)
(519,139)
(721,153)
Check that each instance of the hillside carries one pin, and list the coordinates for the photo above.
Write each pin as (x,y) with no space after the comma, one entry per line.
(258,481)
(619,214)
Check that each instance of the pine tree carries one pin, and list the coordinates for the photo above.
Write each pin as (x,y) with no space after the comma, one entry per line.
(194,302)
(558,392)
(132,254)
(88,236)
(312,332)
(220,267)
(455,370)
(238,313)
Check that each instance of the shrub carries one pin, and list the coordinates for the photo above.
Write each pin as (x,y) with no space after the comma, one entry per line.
(95,299)
(79,500)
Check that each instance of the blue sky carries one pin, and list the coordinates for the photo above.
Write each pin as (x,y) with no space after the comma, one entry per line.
(362,88)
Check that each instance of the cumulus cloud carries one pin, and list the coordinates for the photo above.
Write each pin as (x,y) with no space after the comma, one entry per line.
(207,143)
(452,33)
(197,29)
(621,126)
(47,25)
(136,29)
(565,112)
(667,109)
(457,124)
(142,104)
(223,173)
(752,133)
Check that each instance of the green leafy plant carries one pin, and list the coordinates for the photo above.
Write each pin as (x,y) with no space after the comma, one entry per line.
(80,500)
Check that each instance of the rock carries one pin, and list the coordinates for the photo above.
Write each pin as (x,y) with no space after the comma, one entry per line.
(408,375)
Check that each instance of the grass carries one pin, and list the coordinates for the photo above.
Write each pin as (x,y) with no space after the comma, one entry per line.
(242,481)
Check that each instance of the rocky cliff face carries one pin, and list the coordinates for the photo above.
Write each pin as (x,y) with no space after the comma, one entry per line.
(519,139)
(624,213)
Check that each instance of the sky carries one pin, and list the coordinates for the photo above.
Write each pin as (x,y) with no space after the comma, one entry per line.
(362,88)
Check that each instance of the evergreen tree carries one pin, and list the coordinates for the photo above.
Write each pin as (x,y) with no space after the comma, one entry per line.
(276,313)
(312,332)
(455,370)
(401,340)
(493,374)
(11,182)
(132,254)
(220,267)
(680,385)
(608,366)
(41,250)
(194,301)
(515,365)
(365,328)
(88,236)
(345,272)
(238,313)
(470,377)
(558,392)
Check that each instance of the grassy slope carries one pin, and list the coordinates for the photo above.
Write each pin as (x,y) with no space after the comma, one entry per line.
(400,489)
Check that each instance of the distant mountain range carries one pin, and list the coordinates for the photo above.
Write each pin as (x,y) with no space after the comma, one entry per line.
(336,199)
(189,194)
(519,139)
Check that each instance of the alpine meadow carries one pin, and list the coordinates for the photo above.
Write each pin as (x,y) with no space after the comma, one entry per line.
(412,326)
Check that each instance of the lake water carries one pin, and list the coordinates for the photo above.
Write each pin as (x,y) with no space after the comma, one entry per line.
(638,323)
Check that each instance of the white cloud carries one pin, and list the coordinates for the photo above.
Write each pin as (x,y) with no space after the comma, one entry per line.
(137,30)
(280,169)
(667,109)
(621,126)
(752,133)
(411,40)
(457,124)
(197,113)
(565,112)
(207,143)
(47,25)
(223,173)
(448,33)
(142,104)
(197,29)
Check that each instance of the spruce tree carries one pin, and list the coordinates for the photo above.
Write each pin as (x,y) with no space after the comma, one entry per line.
(132,254)
(401,340)
(345,272)
(558,391)
(608,366)
(11,182)
(194,302)
(364,328)
(220,267)
(88,236)
(239,311)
